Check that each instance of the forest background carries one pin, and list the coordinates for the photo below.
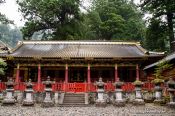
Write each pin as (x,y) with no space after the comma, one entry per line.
(115,20)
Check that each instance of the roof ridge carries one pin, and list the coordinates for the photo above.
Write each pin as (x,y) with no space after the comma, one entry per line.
(142,49)
(79,42)
(5,44)
(19,44)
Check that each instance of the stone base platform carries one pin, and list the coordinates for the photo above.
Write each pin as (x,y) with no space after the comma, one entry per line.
(28,103)
(119,103)
(171,104)
(47,104)
(159,102)
(138,102)
(8,102)
(100,103)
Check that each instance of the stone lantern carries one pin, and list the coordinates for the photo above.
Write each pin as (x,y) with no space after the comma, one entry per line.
(171,90)
(100,93)
(48,99)
(29,97)
(119,101)
(1,94)
(9,97)
(138,94)
(158,91)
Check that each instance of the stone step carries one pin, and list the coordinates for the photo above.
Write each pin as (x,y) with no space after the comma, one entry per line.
(74,95)
(68,94)
(71,99)
(73,105)
(73,102)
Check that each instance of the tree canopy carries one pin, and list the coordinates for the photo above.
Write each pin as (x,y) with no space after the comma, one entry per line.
(63,19)
(116,20)
(162,9)
(58,19)
(2,66)
(3,18)
(10,35)
(155,39)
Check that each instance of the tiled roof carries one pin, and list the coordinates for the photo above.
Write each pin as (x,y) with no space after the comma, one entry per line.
(167,58)
(79,49)
(4,47)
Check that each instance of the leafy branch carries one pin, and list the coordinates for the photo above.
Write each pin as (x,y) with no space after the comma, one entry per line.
(161,68)
(3,65)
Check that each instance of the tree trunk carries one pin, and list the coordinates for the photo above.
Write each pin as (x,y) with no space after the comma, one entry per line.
(170,30)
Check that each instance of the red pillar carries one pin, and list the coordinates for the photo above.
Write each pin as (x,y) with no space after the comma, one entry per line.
(17,80)
(39,73)
(137,72)
(116,73)
(66,73)
(89,74)
(66,78)
(39,77)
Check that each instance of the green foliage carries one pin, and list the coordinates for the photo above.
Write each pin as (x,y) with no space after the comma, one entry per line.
(160,9)
(2,66)
(137,82)
(156,36)
(115,19)
(60,19)
(10,36)
(161,67)
(3,18)
(114,24)
(157,80)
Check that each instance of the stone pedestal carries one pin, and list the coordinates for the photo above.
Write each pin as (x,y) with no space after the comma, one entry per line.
(19,96)
(148,97)
(56,97)
(138,96)
(9,97)
(171,90)
(48,102)
(101,102)
(29,97)
(172,98)
(158,94)
(1,96)
(48,99)
(119,101)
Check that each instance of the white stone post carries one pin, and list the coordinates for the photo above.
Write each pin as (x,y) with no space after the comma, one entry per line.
(29,97)
(138,94)
(48,100)
(9,98)
(171,90)
(100,93)
(119,101)
(158,94)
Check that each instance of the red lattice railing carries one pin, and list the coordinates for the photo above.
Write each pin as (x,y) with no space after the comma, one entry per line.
(78,87)
(2,86)
(148,86)
(128,87)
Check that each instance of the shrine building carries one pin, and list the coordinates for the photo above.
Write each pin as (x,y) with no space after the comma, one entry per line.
(78,61)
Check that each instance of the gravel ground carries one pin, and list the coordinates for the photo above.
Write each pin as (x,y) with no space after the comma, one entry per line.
(128,110)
